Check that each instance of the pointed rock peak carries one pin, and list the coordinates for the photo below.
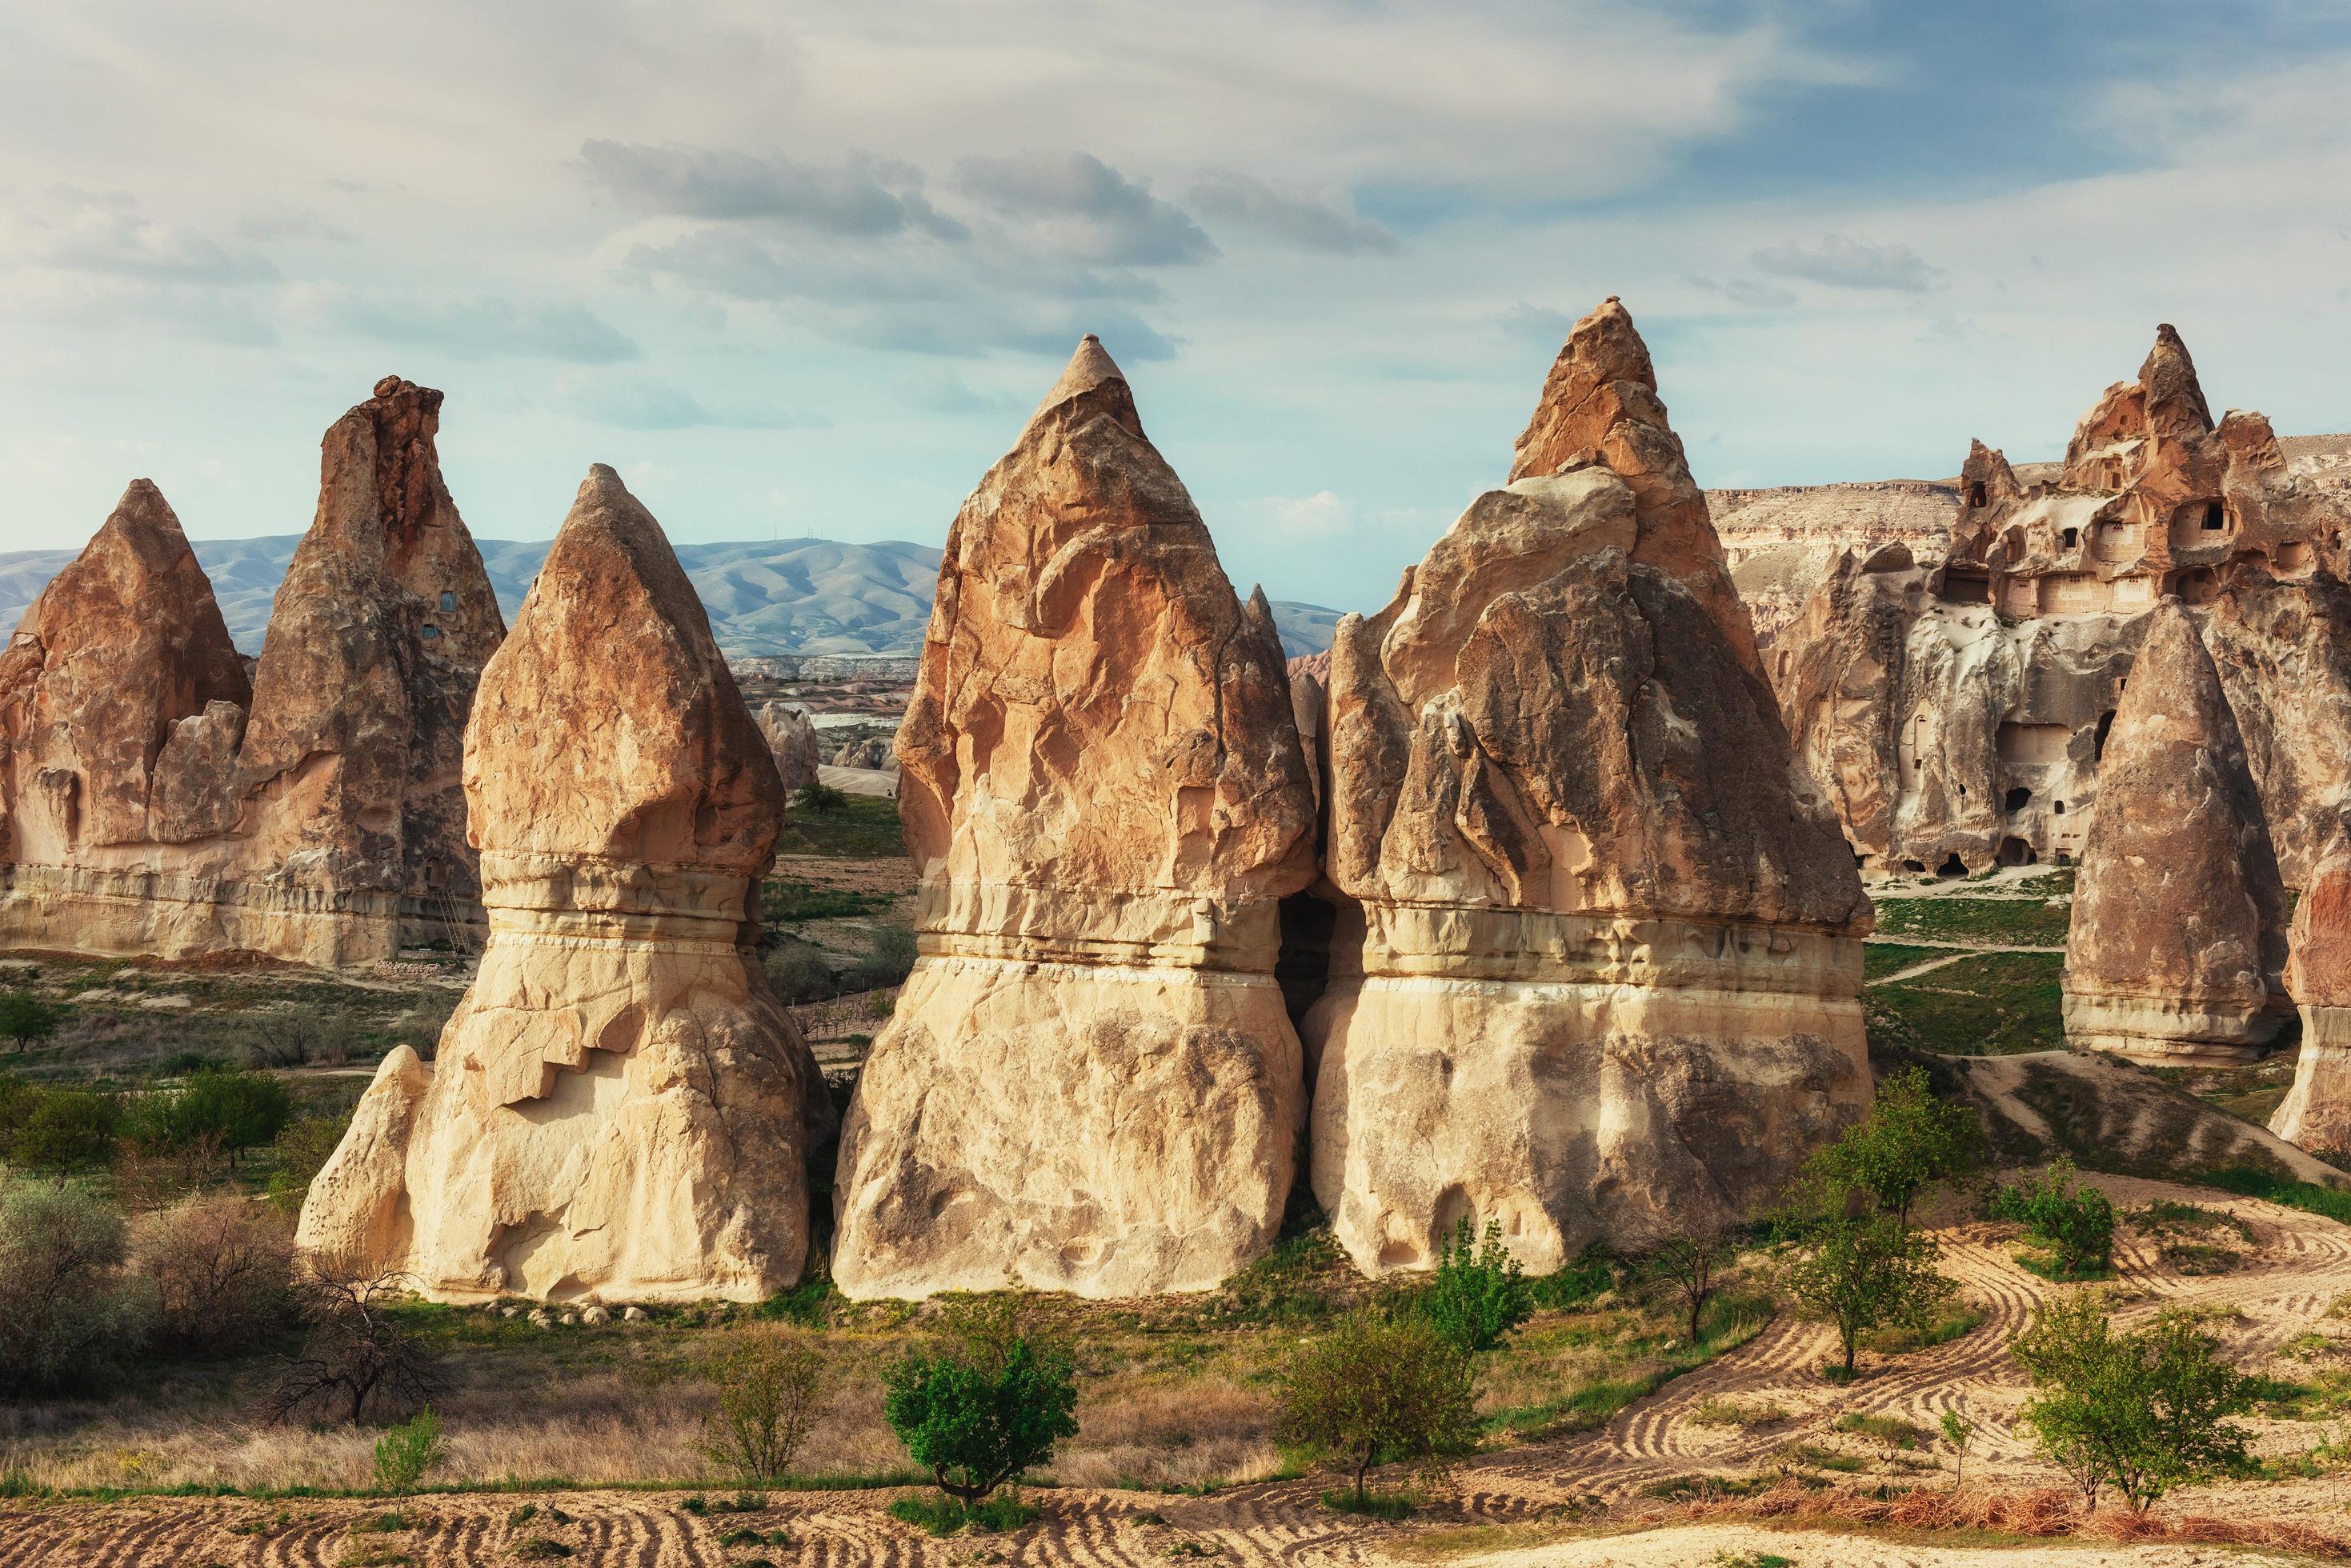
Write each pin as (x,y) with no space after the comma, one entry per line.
(606,518)
(2175,694)
(2175,398)
(1259,604)
(1570,423)
(1986,476)
(1093,382)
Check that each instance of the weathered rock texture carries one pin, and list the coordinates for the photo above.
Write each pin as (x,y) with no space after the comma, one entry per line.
(1598,972)
(620,1106)
(1956,710)
(1781,544)
(1090,1084)
(2178,930)
(2317,1112)
(157,804)
(791,740)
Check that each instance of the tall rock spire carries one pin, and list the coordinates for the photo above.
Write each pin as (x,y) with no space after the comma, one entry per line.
(620,1108)
(1090,1082)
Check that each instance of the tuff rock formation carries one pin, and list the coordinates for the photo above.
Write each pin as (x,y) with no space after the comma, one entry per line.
(1598,965)
(1955,711)
(156,804)
(1090,1082)
(2317,1112)
(2178,928)
(791,740)
(620,1106)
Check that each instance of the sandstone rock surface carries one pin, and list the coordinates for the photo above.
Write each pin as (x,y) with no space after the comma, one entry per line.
(791,740)
(620,1106)
(1090,1082)
(157,803)
(1956,717)
(2179,928)
(2317,1112)
(1597,969)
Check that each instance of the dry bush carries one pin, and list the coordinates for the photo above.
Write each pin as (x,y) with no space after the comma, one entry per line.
(770,1392)
(358,1357)
(144,1181)
(222,1270)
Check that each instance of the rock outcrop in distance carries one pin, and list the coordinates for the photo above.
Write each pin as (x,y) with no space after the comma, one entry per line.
(1597,966)
(1090,1084)
(619,1107)
(2317,1112)
(2178,928)
(155,803)
(791,740)
(1956,709)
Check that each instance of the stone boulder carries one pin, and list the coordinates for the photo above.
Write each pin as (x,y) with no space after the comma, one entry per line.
(1090,1084)
(791,740)
(1599,963)
(2317,1112)
(620,1106)
(2179,928)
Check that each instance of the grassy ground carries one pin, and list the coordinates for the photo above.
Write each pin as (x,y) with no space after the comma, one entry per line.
(1985,1005)
(863,827)
(2006,919)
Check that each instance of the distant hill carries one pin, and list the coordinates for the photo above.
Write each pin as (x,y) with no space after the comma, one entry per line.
(790,595)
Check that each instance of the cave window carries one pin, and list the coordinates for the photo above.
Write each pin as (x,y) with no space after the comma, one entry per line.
(2063,858)
(1914,865)
(448,601)
(1952,865)
(2016,852)
(2098,743)
(2073,537)
(2058,809)
(2018,799)
(1963,792)
(2215,517)
(430,633)
(1975,492)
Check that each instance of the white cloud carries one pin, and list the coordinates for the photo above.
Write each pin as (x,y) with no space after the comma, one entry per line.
(1839,261)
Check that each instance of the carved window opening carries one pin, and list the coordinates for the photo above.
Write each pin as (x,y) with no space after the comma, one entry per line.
(2073,536)
(1918,866)
(2216,517)
(1952,865)
(2016,852)
(2018,799)
(448,601)
(1975,492)
(2105,723)
(2057,808)
(430,633)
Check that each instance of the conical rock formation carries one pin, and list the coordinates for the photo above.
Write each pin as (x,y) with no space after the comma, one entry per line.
(2178,926)
(157,804)
(791,740)
(620,1106)
(1601,973)
(1090,1084)
(2317,1112)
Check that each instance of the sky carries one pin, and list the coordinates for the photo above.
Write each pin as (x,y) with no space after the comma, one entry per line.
(803,270)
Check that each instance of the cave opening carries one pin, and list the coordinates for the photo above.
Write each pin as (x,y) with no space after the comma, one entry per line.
(1301,966)
(2018,799)
(1952,865)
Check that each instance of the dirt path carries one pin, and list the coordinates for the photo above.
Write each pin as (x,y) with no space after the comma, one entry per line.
(1952,952)
(2298,1265)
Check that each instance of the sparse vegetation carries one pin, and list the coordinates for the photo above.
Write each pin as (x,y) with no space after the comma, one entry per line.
(1379,1387)
(71,1315)
(769,1391)
(403,1454)
(222,1269)
(358,1357)
(2075,1225)
(1479,1293)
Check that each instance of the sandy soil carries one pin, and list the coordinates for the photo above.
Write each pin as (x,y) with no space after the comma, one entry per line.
(1568,1502)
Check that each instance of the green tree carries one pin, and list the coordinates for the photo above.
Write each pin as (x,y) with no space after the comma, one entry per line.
(26,1019)
(1909,1141)
(1690,1263)
(232,1111)
(1379,1388)
(2076,1224)
(61,1129)
(2142,1411)
(404,1453)
(985,1407)
(1846,1263)
(69,1313)
(1479,1293)
(770,1393)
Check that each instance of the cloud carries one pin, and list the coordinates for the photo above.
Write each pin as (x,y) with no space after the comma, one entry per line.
(470,326)
(638,404)
(1298,222)
(291,224)
(948,393)
(1321,515)
(1839,262)
(857,196)
(1534,323)
(106,233)
(1086,209)
(1760,295)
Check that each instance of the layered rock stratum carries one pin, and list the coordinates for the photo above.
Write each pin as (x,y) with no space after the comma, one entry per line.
(1956,707)
(2177,941)
(1597,964)
(619,1107)
(155,803)
(1090,1082)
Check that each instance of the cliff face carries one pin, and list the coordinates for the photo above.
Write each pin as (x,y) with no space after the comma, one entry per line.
(1999,674)
(157,804)
(1090,1082)
(2317,1112)
(620,1106)
(1597,961)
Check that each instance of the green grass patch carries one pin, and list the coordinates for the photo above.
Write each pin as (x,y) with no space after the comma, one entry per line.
(1375,1502)
(1955,1322)
(1988,1004)
(1730,1321)
(2334,1202)
(1891,1430)
(942,1515)
(863,827)
(784,901)
(1880,959)
(2020,922)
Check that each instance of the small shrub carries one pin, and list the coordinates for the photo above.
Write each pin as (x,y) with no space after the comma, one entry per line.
(2140,1411)
(1590,1274)
(1379,1388)
(1399,1503)
(69,1314)
(889,959)
(222,1269)
(946,1515)
(541,1548)
(27,1020)
(1957,1432)
(2076,1225)
(1716,1411)
(61,1129)
(821,798)
(1890,1430)
(798,972)
(403,1454)
(990,1405)
(1690,1263)
(770,1393)
(1479,1293)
